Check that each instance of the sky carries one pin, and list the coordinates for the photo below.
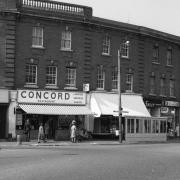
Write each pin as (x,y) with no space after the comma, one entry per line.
(162,15)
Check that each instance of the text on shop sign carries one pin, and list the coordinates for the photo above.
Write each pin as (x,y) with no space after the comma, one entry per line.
(52,97)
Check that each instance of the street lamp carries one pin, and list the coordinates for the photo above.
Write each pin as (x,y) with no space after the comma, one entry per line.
(119,89)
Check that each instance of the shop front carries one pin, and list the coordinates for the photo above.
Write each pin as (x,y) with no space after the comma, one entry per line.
(4,102)
(137,123)
(56,108)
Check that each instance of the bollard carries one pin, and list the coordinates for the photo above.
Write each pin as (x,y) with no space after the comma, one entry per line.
(19,140)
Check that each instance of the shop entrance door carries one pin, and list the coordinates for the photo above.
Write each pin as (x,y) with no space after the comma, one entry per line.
(3,110)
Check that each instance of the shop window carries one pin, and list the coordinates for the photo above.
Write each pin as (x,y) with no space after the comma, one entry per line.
(31,74)
(106,45)
(139,126)
(100,78)
(115,79)
(130,125)
(162,126)
(37,37)
(66,40)
(71,77)
(147,126)
(51,75)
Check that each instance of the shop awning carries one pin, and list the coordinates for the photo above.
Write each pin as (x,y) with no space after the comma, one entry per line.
(55,110)
(107,104)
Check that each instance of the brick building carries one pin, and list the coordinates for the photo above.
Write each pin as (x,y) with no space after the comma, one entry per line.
(49,47)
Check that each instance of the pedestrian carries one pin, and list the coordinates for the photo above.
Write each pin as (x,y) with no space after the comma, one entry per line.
(46,130)
(27,128)
(41,133)
(73,131)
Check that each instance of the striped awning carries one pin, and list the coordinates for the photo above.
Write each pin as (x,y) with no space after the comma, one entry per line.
(55,110)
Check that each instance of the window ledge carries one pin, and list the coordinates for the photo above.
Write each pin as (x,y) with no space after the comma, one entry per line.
(66,50)
(114,90)
(105,54)
(70,88)
(129,91)
(170,66)
(152,94)
(125,57)
(31,86)
(172,97)
(37,47)
(51,87)
(157,63)
(162,95)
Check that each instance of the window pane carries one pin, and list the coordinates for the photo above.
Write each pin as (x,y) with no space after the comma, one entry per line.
(106,45)
(66,40)
(115,78)
(37,36)
(100,77)
(51,75)
(71,77)
(31,73)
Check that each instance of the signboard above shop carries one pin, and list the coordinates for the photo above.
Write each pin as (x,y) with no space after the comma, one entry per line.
(51,97)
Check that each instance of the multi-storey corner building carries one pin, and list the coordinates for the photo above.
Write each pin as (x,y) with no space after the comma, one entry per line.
(51,50)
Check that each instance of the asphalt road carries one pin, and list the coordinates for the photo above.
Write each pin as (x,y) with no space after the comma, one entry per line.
(92,162)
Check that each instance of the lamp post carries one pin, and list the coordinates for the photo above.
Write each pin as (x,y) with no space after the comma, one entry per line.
(119,91)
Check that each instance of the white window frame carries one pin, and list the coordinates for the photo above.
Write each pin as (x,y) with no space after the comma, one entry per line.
(115,78)
(51,75)
(66,40)
(30,74)
(162,87)
(106,44)
(71,77)
(125,50)
(37,36)
(171,88)
(100,78)
(152,85)
(129,82)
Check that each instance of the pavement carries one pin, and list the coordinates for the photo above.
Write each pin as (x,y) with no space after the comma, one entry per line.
(51,143)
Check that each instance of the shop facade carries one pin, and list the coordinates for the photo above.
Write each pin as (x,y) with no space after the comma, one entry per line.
(57,108)
(137,123)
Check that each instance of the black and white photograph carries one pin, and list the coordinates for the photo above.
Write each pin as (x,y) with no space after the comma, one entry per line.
(89,90)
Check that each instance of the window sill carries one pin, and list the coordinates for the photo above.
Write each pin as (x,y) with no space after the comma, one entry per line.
(152,94)
(128,91)
(125,57)
(70,88)
(114,90)
(172,97)
(31,86)
(106,55)
(169,66)
(37,47)
(156,63)
(162,95)
(66,50)
(51,87)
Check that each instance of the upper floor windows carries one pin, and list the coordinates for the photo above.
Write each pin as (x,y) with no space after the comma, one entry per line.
(31,74)
(66,40)
(115,78)
(106,45)
(162,87)
(171,88)
(156,53)
(169,57)
(71,77)
(125,49)
(129,82)
(37,36)
(100,77)
(51,76)
(152,85)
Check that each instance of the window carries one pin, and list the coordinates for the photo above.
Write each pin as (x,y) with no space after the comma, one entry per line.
(100,77)
(106,45)
(139,126)
(156,54)
(71,77)
(125,49)
(169,57)
(129,83)
(155,126)
(162,126)
(37,37)
(66,40)
(31,74)
(171,88)
(130,125)
(152,85)
(147,126)
(115,78)
(162,87)
(51,75)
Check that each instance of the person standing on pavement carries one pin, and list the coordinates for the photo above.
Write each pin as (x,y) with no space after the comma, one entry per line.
(27,128)
(41,133)
(73,131)
(46,130)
